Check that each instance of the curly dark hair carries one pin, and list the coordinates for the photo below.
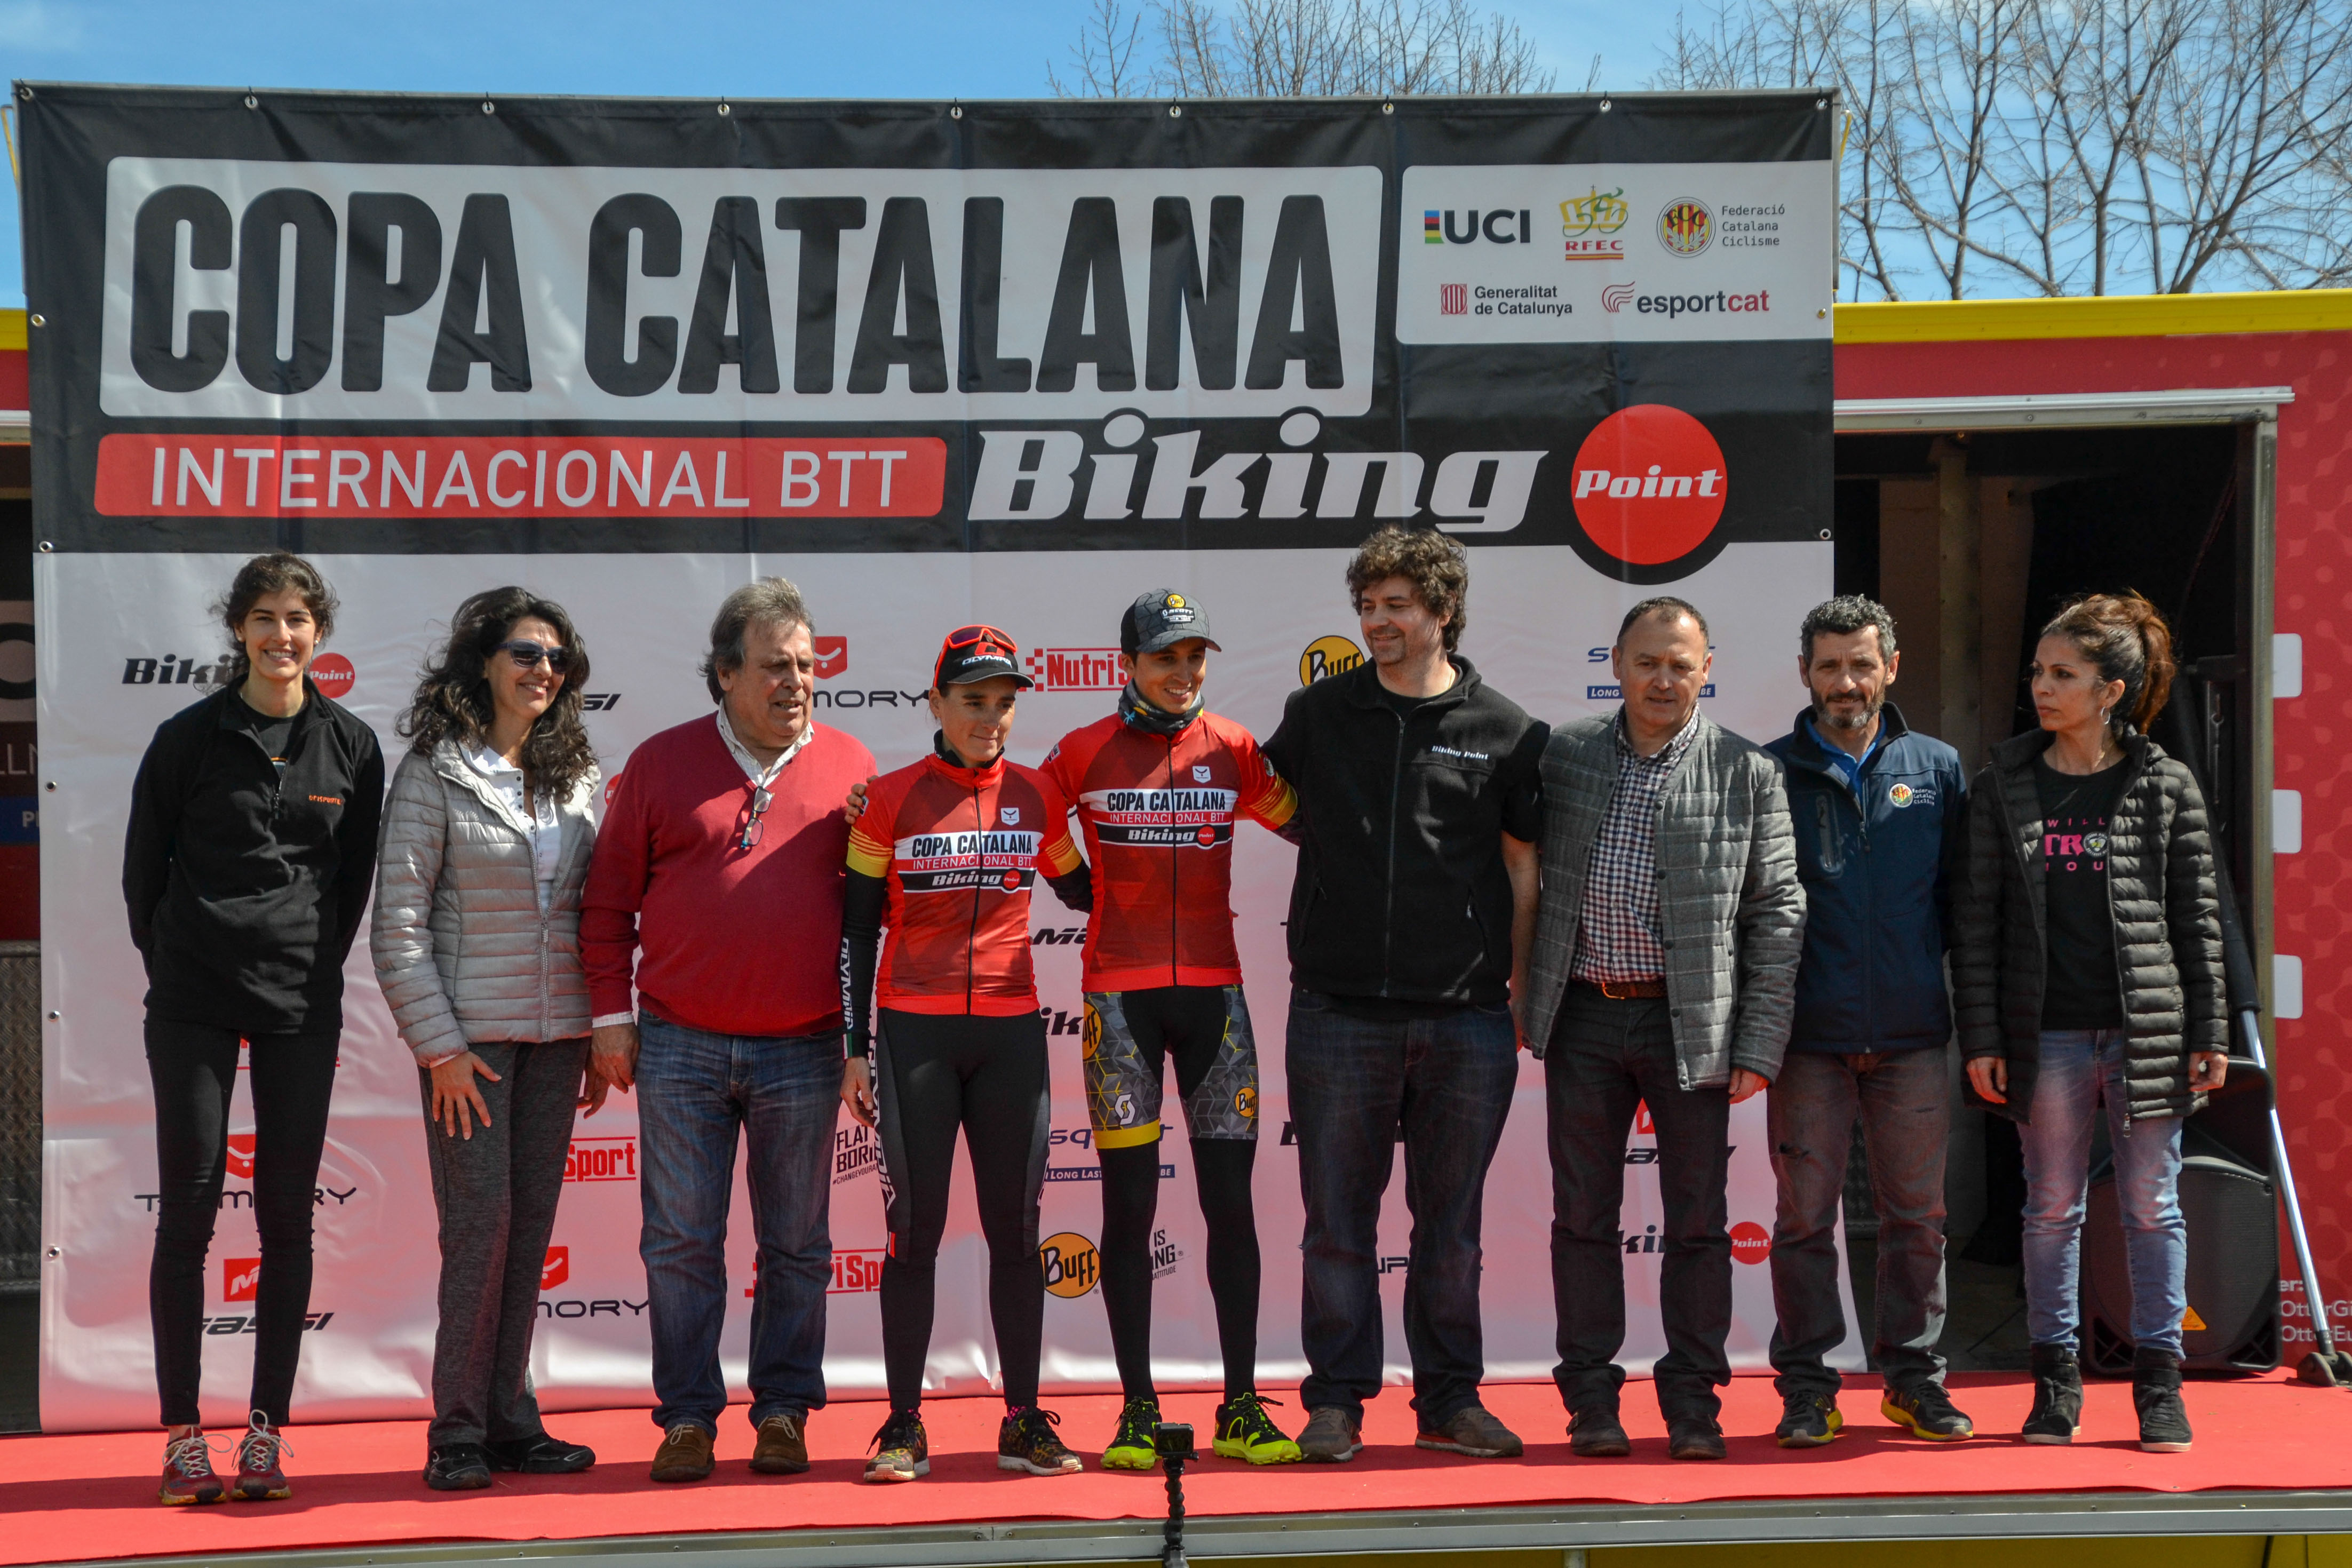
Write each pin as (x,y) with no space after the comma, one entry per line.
(255,581)
(1437,567)
(452,695)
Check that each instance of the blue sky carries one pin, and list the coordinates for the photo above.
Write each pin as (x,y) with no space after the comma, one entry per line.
(789,48)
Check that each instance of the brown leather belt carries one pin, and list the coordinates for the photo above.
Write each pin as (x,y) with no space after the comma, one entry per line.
(1626,991)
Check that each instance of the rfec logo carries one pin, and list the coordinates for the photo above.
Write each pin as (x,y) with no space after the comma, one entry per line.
(1329,656)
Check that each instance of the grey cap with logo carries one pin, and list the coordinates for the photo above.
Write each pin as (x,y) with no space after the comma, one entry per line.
(1161,619)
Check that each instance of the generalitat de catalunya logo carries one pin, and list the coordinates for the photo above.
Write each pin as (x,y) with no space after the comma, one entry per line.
(1072,1265)
(1331,655)
(1650,484)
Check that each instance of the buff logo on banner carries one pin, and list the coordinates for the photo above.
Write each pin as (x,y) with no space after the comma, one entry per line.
(1014,363)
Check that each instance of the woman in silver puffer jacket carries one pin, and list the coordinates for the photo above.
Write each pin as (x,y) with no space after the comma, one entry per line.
(484,852)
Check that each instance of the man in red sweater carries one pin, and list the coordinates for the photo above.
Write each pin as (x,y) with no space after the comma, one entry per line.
(715,891)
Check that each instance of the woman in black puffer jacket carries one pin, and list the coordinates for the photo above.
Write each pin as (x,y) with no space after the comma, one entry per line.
(2087,968)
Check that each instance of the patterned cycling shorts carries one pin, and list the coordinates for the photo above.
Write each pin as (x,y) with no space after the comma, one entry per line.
(1130,1035)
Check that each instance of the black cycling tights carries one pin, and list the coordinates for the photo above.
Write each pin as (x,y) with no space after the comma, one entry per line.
(1221,1167)
(986,1075)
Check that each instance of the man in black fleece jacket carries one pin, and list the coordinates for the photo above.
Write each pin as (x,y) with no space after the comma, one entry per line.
(1411,920)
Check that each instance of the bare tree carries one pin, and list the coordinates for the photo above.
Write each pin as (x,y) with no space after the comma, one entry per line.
(1293,49)
(2066,146)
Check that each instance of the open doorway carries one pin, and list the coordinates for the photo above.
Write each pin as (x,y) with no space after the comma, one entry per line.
(1973,536)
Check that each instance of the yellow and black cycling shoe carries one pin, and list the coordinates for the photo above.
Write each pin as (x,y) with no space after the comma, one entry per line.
(1245,1431)
(1927,1411)
(1133,1447)
(1808,1420)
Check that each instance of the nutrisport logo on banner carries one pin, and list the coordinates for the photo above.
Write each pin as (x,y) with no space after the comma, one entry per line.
(937,363)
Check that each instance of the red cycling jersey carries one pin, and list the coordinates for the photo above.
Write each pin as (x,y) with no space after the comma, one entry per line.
(1159,816)
(959,849)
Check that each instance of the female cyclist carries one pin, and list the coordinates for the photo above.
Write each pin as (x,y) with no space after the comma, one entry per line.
(945,855)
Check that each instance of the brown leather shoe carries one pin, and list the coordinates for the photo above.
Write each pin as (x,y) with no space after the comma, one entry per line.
(684,1454)
(782,1448)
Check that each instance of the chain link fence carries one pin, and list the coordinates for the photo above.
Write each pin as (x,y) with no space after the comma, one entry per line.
(20,1115)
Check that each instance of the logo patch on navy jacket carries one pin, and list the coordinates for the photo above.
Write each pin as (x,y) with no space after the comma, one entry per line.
(1900,794)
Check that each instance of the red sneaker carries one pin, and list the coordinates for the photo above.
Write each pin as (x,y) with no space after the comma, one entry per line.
(258,1478)
(188,1473)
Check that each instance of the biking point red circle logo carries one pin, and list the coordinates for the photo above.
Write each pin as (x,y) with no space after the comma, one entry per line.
(333,676)
(1650,484)
(1750,1242)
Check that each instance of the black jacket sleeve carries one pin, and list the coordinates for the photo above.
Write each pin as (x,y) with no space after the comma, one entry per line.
(157,798)
(1955,847)
(1977,926)
(355,842)
(861,940)
(1074,889)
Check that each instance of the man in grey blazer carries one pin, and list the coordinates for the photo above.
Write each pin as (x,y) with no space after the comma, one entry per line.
(1664,968)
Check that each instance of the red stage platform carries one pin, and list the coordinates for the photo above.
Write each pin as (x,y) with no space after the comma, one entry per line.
(91,1496)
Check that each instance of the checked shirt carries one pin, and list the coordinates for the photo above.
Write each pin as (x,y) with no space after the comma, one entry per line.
(1618,937)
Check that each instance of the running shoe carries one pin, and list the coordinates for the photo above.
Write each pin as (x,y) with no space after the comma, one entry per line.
(188,1475)
(1808,1420)
(259,1477)
(1133,1447)
(1928,1412)
(1245,1431)
(901,1449)
(1026,1442)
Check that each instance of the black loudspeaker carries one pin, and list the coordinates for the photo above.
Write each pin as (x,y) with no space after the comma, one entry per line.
(2231,1211)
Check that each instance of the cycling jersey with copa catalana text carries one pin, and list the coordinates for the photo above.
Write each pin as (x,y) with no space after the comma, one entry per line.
(959,849)
(1159,810)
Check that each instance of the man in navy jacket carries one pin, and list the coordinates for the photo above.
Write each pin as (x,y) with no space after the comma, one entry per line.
(1878,812)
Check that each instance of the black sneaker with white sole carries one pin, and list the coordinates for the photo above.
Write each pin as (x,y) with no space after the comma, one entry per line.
(1808,1420)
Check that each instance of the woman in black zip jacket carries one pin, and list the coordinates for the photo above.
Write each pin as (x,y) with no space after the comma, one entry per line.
(2086,971)
(246,869)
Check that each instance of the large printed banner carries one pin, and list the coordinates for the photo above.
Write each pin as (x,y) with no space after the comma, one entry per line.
(937,363)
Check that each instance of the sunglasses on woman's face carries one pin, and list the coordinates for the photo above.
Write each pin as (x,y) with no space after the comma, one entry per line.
(528,653)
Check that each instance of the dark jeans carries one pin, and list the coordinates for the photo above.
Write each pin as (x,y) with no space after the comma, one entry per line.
(1607,1057)
(496,1194)
(1904,1100)
(695,1091)
(1353,1082)
(194,1069)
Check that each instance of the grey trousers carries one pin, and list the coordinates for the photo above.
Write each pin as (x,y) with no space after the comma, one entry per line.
(496,1193)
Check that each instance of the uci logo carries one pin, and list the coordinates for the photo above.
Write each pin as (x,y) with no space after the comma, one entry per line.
(1072,1265)
(1900,794)
(1324,657)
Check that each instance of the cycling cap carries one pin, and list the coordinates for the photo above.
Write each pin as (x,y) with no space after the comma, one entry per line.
(1159,619)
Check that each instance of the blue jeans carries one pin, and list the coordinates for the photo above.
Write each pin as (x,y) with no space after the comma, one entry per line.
(2079,1068)
(694,1089)
(1905,1100)
(1354,1083)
